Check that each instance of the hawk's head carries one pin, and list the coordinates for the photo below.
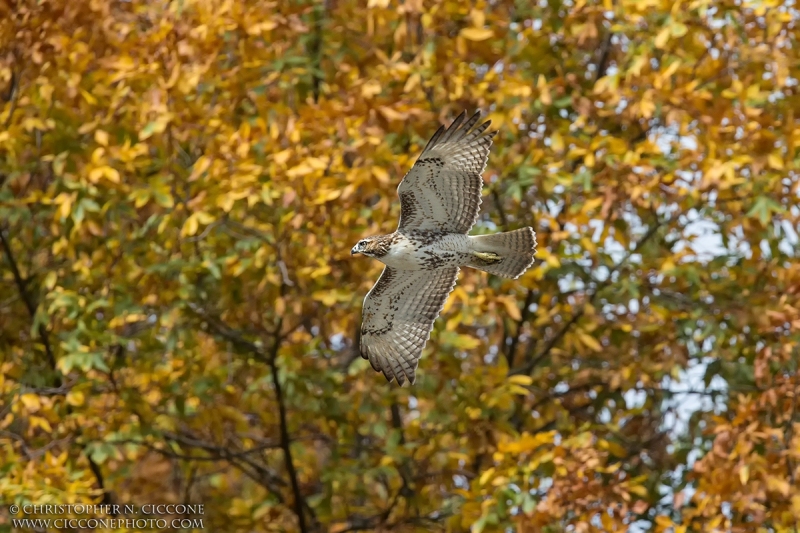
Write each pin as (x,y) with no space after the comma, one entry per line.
(372,246)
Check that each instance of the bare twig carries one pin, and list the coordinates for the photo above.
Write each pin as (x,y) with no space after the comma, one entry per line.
(13,91)
(555,339)
(205,232)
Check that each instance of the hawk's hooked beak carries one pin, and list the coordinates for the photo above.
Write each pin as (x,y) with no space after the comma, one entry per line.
(354,251)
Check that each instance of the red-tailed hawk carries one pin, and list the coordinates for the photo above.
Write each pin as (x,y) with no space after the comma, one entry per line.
(439,202)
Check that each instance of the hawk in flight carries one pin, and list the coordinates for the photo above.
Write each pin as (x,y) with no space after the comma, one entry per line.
(439,202)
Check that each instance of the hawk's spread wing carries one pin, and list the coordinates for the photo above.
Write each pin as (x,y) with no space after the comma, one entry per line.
(398,317)
(442,191)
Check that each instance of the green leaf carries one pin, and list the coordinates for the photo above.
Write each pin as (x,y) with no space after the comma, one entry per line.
(764,207)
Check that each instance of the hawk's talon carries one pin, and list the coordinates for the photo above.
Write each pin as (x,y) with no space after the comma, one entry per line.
(489,258)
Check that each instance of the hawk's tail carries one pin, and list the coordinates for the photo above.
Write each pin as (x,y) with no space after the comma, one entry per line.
(507,254)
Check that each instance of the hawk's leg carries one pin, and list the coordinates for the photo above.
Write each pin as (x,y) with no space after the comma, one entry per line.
(488,258)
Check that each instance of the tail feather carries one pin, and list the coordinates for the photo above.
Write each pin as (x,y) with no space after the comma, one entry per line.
(507,254)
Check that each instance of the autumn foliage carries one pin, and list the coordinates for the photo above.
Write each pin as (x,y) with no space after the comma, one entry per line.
(181,183)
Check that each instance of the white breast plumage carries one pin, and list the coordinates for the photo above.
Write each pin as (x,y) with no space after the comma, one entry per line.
(403,254)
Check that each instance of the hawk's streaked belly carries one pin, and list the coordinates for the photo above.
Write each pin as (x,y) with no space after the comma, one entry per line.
(427,250)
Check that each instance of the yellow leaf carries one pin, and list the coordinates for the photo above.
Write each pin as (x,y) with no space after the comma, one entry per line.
(111,174)
(280,306)
(101,137)
(671,69)
(588,245)
(662,37)
(204,218)
(557,142)
(617,450)
(412,82)
(796,504)
(87,127)
(371,88)
(522,380)
(46,92)
(478,17)
(636,67)
(661,520)
(321,271)
(88,97)
(327,196)
(95,174)
(590,341)
(156,126)
(391,114)
(485,476)
(678,29)
(190,226)
(466,342)
(777,484)
(261,27)
(544,90)
(50,280)
(477,34)
(31,402)
(30,124)
(592,204)
(300,170)
(608,522)
(317,163)
(550,259)
(99,156)
(511,307)
(59,163)
(75,398)
(775,161)
(381,174)
(326,297)
(282,157)
(201,165)
(42,423)
(744,474)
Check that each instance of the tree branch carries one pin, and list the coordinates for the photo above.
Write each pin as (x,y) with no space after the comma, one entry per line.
(499,205)
(405,474)
(602,64)
(13,91)
(512,348)
(299,501)
(530,365)
(30,305)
